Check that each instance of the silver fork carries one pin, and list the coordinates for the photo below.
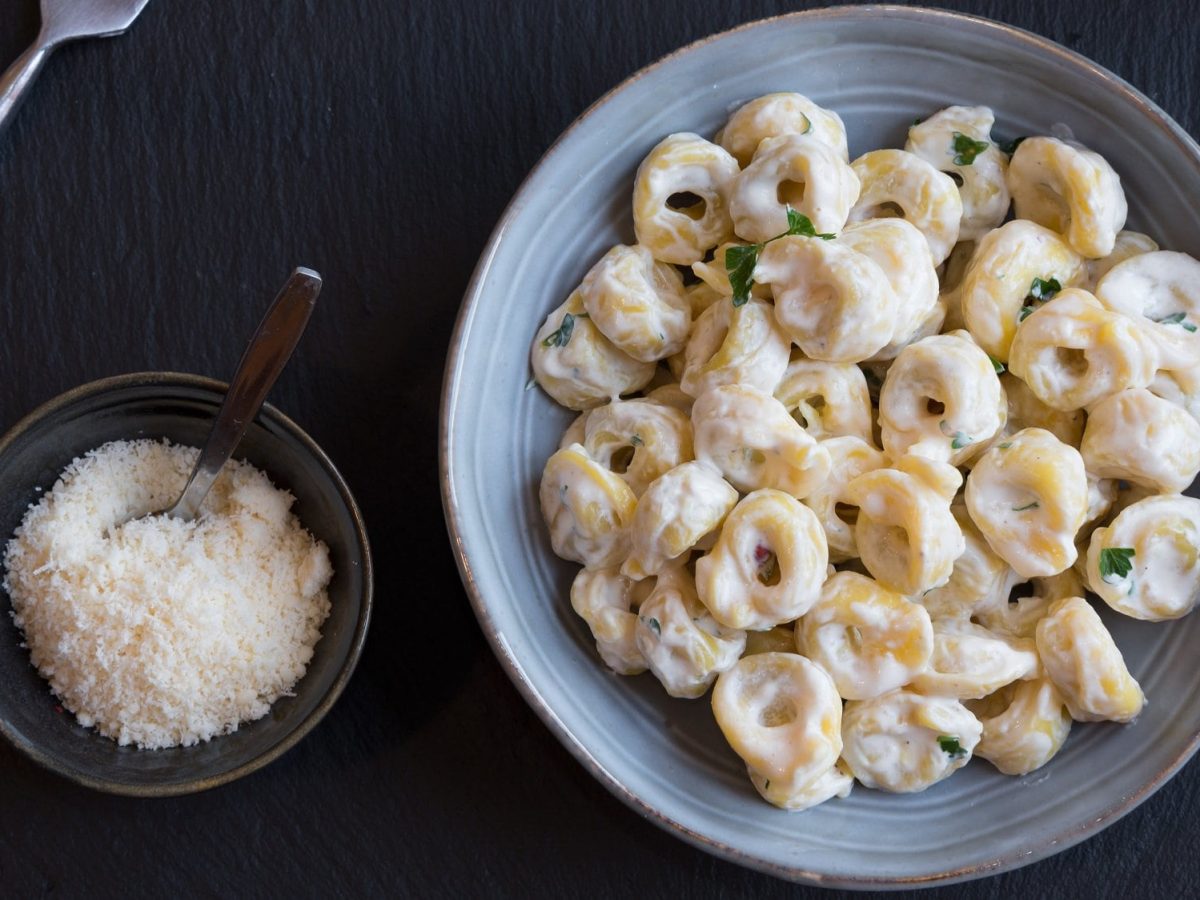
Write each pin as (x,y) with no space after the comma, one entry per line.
(63,21)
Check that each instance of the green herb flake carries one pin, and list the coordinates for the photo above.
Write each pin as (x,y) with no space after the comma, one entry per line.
(1179,319)
(917,121)
(652,624)
(740,263)
(996,364)
(966,149)
(636,440)
(1026,312)
(530,383)
(951,746)
(1044,288)
(1005,445)
(1010,147)
(960,440)
(1115,563)
(800,224)
(1027,506)
(561,336)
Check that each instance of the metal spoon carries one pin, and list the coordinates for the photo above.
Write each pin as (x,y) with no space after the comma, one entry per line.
(267,354)
(62,21)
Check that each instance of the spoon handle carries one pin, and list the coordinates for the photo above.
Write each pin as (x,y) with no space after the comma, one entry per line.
(15,82)
(267,354)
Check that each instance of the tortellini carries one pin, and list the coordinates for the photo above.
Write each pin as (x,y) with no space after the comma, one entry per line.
(1029,497)
(793,171)
(849,458)
(1073,352)
(827,399)
(900,251)
(958,140)
(906,534)
(677,510)
(577,365)
(684,646)
(750,437)
(1024,725)
(970,662)
(871,640)
(735,345)
(587,508)
(904,742)
(637,303)
(898,183)
(1081,658)
(1146,564)
(774,115)
(608,602)
(1009,265)
(638,440)
(767,565)
(852,341)
(941,399)
(1128,245)
(1070,190)
(834,302)
(681,198)
(1160,290)
(1142,438)
(782,715)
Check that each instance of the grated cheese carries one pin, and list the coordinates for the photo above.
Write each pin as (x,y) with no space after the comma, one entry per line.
(155,631)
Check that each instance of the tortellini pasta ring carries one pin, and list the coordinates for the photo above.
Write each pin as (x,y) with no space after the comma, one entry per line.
(750,437)
(735,345)
(767,565)
(638,439)
(792,171)
(773,115)
(1029,497)
(869,639)
(587,508)
(1024,725)
(782,715)
(895,182)
(637,303)
(1069,189)
(681,198)
(1139,437)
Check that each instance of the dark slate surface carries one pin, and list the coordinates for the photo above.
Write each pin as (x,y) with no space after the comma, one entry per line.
(154,192)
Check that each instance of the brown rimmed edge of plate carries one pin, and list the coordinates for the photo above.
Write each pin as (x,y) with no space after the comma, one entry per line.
(1106,80)
(269,412)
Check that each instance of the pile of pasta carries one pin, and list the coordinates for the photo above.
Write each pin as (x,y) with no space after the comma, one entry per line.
(854,444)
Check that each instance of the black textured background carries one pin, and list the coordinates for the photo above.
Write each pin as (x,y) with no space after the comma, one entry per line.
(154,192)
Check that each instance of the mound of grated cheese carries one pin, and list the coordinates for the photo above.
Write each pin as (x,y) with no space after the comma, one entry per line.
(160,632)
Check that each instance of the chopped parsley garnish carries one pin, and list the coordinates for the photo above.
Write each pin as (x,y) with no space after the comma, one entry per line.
(1033,505)
(996,364)
(1010,147)
(561,336)
(1115,563)
(652,624)
(1177,319)
(530,383)
(966,149)
(1044,288)
(917,121)
(1005,445)
(958,439)
(636,440)
(1040,290)
(740,261)
(951,746)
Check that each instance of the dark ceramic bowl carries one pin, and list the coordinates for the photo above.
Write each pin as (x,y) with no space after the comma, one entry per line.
(180,408)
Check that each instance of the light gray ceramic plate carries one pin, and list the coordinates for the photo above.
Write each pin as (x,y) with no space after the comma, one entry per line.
(879,67)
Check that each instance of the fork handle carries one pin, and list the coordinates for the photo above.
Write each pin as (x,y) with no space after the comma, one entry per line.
(15,82)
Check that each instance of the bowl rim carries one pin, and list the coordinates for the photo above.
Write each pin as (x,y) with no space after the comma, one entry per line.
(452,375)
(349,664)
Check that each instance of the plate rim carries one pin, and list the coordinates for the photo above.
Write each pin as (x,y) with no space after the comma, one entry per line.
(452,376)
